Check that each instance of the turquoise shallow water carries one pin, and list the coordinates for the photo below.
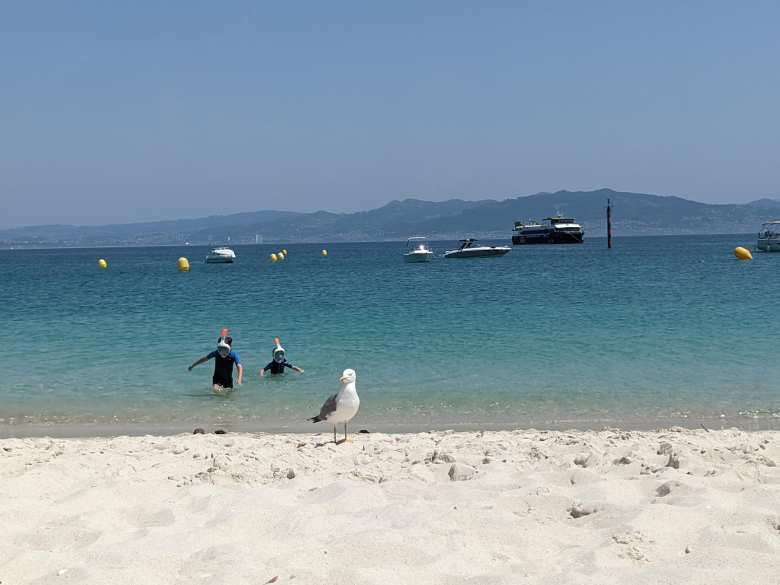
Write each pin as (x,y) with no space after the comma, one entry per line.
(661,330)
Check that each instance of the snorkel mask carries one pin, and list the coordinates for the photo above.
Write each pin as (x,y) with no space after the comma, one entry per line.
(278,351)
(224,343)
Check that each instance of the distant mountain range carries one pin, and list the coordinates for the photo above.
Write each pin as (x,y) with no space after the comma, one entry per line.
(633,214)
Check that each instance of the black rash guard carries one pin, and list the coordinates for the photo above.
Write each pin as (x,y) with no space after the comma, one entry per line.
(278,367)
(223,368)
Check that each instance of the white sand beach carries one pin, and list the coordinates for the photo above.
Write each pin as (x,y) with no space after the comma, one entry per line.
(677,506)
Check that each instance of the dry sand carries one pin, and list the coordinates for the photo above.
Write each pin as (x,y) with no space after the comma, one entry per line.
(676,506)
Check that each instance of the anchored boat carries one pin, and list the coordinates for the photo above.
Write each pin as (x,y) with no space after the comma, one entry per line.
(554,230)
(769,237)
(222,255)
(467,249)
(417,250)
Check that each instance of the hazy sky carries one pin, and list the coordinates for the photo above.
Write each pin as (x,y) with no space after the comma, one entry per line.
(125,111)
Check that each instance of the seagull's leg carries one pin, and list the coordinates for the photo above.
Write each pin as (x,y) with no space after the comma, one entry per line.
(345,430)
(334,434)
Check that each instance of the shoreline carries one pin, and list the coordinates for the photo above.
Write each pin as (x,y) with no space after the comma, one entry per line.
(117,429)
(503,507)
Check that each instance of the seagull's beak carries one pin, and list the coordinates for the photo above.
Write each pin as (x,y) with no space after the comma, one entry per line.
(344,379)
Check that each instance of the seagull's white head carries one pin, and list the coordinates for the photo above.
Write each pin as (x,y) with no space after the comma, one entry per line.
(348,377)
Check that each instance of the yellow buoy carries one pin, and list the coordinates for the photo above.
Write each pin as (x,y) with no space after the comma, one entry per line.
(102,264)
(280,255)
(183,264)
(273,257)
(742,253)
(324,252)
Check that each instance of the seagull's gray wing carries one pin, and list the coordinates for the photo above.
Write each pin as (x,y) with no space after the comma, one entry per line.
(327,409)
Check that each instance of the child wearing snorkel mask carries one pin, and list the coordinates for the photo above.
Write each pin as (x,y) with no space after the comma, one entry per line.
(279,361)
(224,358)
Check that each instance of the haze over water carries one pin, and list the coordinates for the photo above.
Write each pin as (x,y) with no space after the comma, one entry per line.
(658,331)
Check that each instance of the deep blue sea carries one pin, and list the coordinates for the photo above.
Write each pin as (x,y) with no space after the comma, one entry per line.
(657,331)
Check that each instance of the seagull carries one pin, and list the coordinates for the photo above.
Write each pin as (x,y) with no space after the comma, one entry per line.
(342,406)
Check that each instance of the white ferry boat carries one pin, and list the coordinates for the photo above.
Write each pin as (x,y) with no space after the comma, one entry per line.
(554,230)
(769,237)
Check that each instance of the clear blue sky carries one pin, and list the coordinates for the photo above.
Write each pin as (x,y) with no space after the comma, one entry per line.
(125,111)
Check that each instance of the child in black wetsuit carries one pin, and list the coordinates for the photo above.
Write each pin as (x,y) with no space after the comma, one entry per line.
(279,362)
(224,358)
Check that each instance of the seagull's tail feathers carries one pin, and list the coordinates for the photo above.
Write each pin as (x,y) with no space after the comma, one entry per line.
(315,419)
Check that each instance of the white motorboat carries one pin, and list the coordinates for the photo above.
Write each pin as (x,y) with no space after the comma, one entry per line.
(418,250)
(222,255)
(467,249)
(769,237)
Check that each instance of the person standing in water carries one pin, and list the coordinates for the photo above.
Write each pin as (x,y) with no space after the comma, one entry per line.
(224,358)
(279,361)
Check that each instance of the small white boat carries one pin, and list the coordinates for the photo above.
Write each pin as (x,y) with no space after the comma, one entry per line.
(222,255)
(417,250)
(469,250)
(769,237)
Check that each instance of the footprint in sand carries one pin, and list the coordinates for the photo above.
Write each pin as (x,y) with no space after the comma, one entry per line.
(676,493)
(157,519)
(61,535)
(207,564)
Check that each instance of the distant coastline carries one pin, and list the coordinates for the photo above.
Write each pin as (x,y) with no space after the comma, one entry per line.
(634,214)
(272,244)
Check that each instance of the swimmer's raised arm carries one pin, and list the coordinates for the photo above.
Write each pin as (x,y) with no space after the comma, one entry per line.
(287,364)
(202,360)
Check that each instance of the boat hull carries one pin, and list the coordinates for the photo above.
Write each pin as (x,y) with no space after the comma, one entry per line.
(415,257)
(768,245)
(549,237)
(219,260)
(483,252)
